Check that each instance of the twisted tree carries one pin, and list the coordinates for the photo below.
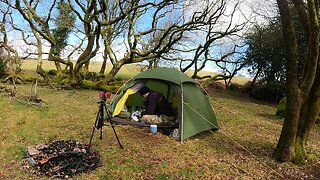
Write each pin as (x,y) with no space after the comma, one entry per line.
(216,24)
(64,23)
(143,39)
(11,61)
(57,36)
(303,99)
(132,31)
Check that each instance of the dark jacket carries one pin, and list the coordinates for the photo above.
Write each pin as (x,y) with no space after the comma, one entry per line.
(156,104)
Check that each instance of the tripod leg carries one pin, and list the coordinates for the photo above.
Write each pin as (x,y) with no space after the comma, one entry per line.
(91,138)
(94,127)
(115,133)
(101,133)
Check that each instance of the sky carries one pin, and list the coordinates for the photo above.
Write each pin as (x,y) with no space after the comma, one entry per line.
(244,13)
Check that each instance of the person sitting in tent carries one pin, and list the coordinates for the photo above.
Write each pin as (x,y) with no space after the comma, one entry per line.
(156,103)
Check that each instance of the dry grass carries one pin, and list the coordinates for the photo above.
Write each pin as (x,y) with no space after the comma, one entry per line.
(125,72)
(245,124)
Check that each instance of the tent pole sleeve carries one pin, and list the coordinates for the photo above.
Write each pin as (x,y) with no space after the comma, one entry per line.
(181,130)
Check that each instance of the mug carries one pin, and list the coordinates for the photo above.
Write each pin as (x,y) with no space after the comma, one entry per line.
(153,128)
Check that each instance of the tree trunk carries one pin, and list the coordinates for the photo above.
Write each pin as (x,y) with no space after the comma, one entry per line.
(103,66)
(58,60)
(150,64)
(72,74)
(84,58)
(39,69)
(302,102)
(112,73)
(308,116)
(58,66)
(285,150)
(102,85)
(310,85)
(86,65)
(254,79)
(42,73)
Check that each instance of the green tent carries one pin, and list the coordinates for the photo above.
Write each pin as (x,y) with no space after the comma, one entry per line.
(195,113)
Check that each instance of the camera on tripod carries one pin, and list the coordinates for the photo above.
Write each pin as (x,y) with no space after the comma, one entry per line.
(99,122)
(104,95)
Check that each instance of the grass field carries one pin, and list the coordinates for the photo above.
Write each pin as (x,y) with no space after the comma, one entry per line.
(125,72)
(241,149)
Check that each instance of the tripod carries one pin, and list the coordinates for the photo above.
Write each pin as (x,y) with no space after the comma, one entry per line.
(98,124)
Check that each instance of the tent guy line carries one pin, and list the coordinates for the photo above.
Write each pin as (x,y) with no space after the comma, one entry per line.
(237,143)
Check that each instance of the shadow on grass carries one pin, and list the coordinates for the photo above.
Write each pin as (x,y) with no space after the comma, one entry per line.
(239,96)
(259,151)
(272,118)
(229,145)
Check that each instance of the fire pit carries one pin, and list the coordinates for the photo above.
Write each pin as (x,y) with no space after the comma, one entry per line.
(61,159)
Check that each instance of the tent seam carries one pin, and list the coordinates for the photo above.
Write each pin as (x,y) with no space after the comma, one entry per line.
(181,136)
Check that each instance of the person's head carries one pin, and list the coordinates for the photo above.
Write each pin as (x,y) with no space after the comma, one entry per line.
(144,91)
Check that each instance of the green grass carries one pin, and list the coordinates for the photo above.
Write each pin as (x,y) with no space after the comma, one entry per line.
(241,149)
(70,115)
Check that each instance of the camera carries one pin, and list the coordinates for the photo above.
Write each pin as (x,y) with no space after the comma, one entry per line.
(104,95)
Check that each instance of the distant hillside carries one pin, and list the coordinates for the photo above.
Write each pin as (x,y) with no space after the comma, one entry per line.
(126,71)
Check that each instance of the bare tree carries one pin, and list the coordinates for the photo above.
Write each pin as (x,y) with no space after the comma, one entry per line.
(136,38)
(165,41)
(215,25)
(133,31)
(230,63)
(12,59)
(110,33)
(35,47)
(85,13)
